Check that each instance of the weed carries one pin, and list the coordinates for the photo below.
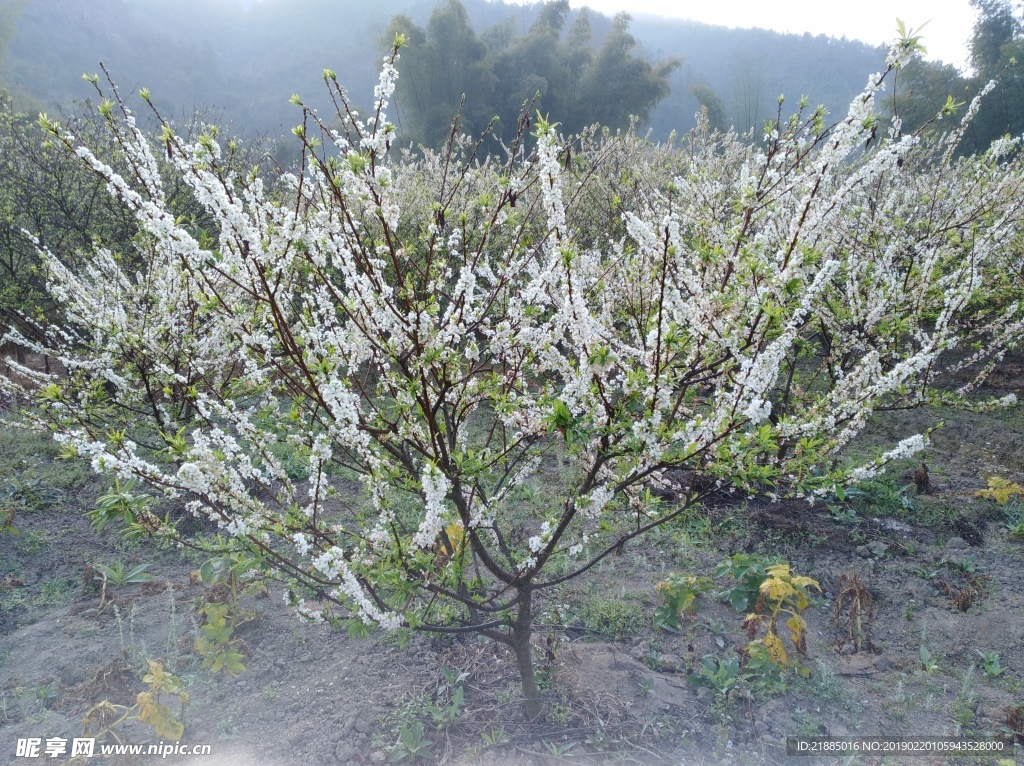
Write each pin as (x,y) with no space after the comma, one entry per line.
(32,701)
(855,606)
(963,706)
(55,593)
(880,497)
(826,686)
(926,572)
(118,576)
(558,750)
(559,714)
(495,736)
(30,542)
(807,725)
(613,616)
(171,649)
(1014,514)
(27,494)
(679,593)
(412,746)
(990,664)
(966,565)
(717,629)
(929,663)
(128,649)
(717,673)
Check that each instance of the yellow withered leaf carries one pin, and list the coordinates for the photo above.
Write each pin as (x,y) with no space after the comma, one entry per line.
(777,589)
(776,649)
(797,625)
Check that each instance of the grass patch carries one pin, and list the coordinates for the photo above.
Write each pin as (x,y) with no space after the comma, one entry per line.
(619,618)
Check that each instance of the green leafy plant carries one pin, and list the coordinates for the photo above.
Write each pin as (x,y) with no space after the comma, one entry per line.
(1015,520)
(966,565)
(450,698)
(679,593)
(718,673)
(749,571)
(929,663)
(216,642)
(412,745)
(617,617)
(26,494)
(495,736)
(133,511)
(117,574)
(990,664)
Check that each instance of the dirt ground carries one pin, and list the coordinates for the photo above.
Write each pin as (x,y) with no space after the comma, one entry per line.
(941,568)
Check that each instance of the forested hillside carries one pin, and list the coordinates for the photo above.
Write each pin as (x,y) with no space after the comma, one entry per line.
(211,53)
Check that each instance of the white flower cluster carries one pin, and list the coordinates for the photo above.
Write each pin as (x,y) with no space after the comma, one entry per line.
(752,297)
(435,488)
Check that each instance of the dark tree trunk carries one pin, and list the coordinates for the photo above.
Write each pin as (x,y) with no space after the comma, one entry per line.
(522,627)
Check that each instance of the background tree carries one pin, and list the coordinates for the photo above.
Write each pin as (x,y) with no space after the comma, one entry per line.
(562,70)
(996,48)
(921,89)
(713,106)
(448,65)
(48,193)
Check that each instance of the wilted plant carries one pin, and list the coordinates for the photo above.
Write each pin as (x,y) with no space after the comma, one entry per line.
(856,607)
(783,592)
(105,719)
(437,327)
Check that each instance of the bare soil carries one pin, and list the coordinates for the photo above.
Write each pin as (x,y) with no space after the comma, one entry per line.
(941,568)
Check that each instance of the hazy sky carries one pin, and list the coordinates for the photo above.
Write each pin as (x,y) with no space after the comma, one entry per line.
(873,21)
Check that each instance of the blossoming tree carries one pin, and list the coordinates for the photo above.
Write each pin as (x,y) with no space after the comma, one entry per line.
(438,328)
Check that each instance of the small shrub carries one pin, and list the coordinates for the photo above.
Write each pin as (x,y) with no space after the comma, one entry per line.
(1001,490)
(781,593)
